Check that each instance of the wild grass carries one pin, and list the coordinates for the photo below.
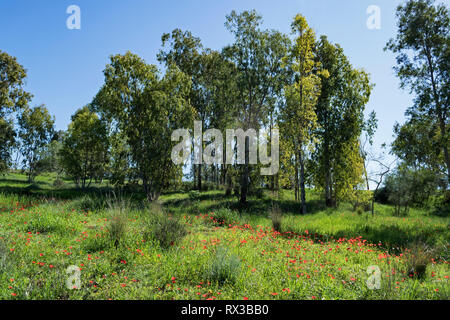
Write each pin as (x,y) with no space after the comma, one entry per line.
(131,250)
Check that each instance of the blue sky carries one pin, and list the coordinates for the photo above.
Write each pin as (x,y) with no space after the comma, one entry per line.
(65,66)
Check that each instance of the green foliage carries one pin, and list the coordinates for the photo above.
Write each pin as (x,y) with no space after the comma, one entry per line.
(36,130)
(58,183)
(166,230)
(84,151)
(406,187)
(297,116)
(42,223)
(421,48)
(224,267)
(260,77)
(146,109)
(118,224)
(277,218)
(418,257)
(119,164)
(198,265)
(225,216)
(4,258)
(12,98)
(7,142)
(90,203)
(360,199)
(337,161)
(194,194)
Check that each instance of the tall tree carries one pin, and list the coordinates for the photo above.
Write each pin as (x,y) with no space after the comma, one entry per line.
(261,75)
(340,115)
(182,49)
(36,130)
(12,98)
(85,146)
(147,109)
(422,46)
(298,118)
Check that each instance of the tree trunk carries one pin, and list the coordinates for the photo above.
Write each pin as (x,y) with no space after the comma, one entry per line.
(302,181)
(199,177)
(244,177)
(296,178)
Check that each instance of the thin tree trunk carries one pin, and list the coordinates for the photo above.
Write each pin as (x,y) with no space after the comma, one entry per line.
(302,181)
(244,180)
(199,177)
(296,177)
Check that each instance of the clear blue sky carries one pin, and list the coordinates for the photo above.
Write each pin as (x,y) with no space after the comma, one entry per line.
(65,66)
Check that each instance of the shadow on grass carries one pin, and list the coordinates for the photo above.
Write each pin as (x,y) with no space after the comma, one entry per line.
(254,206)
(34,191)
(391,238)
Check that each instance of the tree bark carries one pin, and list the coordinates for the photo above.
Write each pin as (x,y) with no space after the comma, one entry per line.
(302,181)
(244,177)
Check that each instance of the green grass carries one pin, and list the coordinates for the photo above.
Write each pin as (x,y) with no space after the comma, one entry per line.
(227,252)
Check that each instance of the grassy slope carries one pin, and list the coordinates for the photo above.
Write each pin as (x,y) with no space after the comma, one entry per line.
(322,255)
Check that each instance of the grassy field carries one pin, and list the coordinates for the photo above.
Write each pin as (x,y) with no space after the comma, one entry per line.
(204,246)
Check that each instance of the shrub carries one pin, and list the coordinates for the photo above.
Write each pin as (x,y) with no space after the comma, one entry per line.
(418,256)
(118,223)
(43,223)
(95,244)
(224,216)
(224,267)
(276,216)
(405,187)
(381,195)
(257,192)
(194,195)
(88,203)
(166,230)
(58,183)
(360,200)
(441,206)
(359,210)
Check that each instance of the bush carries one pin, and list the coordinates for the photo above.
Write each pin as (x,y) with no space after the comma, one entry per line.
(276,216)
(95,244)
(360,200)
(257,192)
(442,204)
(166,230)
(58,183)
(224,267)
(225,216)
(118,223)
(194,195)
(406,187)
(88,203)
(381,195)
(418,257)
(43,223)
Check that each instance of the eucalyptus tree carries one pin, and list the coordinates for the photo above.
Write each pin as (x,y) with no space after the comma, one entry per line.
(147,108)
(182,49)
(13,98)
(83,154)
(422,46)
(257,55)
(297,117)
(340,109)
(36,130)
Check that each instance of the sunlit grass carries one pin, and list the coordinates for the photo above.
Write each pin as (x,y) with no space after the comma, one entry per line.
(324,254)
